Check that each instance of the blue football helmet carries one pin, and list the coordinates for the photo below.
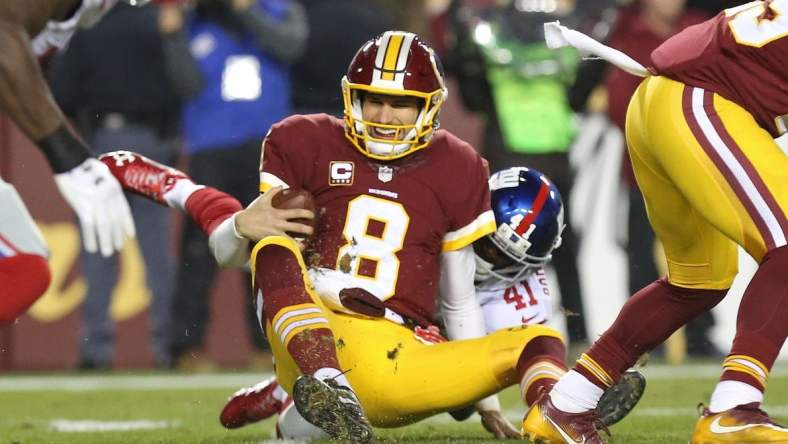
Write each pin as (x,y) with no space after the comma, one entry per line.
(529,214)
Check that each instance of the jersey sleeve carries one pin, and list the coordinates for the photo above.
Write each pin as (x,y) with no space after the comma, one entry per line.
(470,216)
(283,160)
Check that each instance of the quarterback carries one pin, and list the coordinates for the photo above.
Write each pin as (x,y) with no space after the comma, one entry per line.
(700,131)
(29,31)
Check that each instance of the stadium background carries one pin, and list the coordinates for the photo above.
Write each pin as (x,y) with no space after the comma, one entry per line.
(46,337)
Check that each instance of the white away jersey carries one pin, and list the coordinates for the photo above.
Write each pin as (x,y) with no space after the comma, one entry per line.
(525,302)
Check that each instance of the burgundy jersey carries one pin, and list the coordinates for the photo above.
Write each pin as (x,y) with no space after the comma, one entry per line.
(741,54)
(383,223)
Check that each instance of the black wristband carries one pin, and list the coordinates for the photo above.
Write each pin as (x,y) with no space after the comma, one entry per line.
(64,150)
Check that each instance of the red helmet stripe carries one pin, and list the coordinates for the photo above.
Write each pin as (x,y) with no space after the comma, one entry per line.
(541,198)
(392,54)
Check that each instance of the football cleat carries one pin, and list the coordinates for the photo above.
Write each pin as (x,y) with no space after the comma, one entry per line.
(251,404)
(620,399)
(545,424)
(139,175)
(333,408)
(743,424)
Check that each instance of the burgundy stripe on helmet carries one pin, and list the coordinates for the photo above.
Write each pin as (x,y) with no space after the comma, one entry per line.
(541,198)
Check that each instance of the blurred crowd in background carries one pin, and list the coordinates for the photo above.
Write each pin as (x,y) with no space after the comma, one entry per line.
(197,83)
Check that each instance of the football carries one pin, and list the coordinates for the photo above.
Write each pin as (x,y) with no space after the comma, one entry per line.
(291,198)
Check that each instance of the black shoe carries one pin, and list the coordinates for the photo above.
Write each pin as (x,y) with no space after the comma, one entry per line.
(463,413)
(620,399)
(332,408)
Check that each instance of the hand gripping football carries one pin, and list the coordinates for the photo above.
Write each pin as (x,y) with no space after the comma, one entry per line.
(291,198)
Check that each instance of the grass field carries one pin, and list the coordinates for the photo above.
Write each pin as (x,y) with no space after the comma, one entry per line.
(180,408)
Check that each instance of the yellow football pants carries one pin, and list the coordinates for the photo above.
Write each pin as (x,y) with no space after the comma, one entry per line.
(400,380)
(711,178)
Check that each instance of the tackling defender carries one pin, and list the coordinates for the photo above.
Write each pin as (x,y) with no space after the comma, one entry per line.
(700,133)
(30,30)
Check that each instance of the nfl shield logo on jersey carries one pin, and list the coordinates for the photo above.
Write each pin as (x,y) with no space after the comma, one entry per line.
(385,173)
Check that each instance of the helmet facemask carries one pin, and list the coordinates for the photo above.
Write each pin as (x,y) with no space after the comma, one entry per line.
(516,246)
(408,138)
(505,260)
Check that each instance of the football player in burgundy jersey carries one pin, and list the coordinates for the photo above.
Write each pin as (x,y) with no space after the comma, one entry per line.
(700,132)
(29,31)
(512,290)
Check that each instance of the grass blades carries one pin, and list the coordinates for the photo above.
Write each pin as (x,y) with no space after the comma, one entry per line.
(179,408)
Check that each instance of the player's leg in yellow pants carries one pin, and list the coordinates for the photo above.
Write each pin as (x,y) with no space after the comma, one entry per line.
(400,380)
(711,179)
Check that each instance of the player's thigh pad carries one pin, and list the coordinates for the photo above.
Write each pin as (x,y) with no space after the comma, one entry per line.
(705,189)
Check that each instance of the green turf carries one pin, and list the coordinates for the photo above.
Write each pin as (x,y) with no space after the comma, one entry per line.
(665,415)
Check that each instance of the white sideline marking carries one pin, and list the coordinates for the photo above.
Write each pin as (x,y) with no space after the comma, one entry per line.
(772,410)
(175,381)
(129,382)
(93,425)
(692,371)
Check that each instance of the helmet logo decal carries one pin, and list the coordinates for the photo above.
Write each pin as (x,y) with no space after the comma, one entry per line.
(340,173)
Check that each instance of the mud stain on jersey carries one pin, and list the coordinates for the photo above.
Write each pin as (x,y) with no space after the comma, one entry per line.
(344,263)
(312,259)
(340,344)
(394,352)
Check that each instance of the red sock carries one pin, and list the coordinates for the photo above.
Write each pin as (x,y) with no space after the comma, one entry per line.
(209,207)
(299,323)
(762,322)
(648,318)
(541,363)
(25,278)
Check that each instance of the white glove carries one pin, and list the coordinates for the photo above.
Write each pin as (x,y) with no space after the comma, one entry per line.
(97,198)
